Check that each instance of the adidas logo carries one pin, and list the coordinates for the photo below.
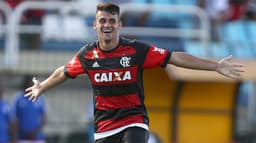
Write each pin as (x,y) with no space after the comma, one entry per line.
(95,65)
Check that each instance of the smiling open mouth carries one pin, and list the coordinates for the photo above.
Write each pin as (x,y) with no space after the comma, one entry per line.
(107,31)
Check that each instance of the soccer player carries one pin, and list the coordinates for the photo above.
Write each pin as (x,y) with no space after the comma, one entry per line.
(115,66)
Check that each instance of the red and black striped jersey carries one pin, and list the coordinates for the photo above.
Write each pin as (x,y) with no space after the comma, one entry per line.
(116,78)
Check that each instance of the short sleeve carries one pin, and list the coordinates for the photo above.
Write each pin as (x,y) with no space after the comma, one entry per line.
(156,57)
(74,67)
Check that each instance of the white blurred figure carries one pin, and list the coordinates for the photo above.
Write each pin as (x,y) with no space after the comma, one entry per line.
(118,1)
(217,11)
(67,25)
(154,138)
(85,7)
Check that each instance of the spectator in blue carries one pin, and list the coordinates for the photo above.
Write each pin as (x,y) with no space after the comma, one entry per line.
(90,121)
(30,116)
(6,120)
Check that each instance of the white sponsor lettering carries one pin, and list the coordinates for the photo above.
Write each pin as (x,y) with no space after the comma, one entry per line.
(160,50)
(112,76)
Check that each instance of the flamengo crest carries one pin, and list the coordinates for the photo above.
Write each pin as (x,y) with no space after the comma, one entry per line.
(125,61)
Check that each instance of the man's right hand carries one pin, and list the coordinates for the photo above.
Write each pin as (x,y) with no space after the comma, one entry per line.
(34,91)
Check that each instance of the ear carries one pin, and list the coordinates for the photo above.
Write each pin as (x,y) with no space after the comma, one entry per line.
(94,25)
(120,24)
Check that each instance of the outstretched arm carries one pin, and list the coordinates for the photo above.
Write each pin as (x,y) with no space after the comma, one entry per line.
(56,78)
(224,66)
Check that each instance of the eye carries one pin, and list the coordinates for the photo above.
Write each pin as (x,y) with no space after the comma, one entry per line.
(112,21)
(102,21)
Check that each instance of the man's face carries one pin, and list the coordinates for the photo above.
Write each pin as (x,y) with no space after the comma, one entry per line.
(107,25)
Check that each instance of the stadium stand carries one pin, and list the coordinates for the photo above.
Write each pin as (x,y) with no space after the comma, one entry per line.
(235,35)
(251,25)
(171,43)
(5,12)
(234,31)
(185,2)
(238,40)
(2,44)
(220,49)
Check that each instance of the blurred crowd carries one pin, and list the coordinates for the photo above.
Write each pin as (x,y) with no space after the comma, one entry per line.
(21,120)
(218,11)
(17,124)
(222,11)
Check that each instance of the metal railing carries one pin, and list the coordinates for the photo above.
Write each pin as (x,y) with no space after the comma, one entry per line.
(202,33)
(12,46)
(6,10)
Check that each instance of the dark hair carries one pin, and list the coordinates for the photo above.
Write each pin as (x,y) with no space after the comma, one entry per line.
(27,81)
(1,88)
(238,2)
(109,7)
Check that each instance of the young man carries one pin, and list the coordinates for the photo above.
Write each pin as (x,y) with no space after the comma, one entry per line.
(115,67)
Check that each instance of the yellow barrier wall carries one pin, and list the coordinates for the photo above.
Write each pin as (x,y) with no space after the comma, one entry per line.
(205,112)
(158,99)
(204,109)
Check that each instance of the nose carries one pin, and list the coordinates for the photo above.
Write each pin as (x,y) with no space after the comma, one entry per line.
(107,23)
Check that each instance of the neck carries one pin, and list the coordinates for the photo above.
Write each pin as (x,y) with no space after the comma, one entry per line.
(107,45)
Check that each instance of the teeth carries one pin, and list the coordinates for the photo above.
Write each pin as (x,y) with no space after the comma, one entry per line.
(107,31)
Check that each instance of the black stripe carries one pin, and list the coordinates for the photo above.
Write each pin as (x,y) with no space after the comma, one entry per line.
(115,114)
(166,59)
(82,53)
(175,112)
(66,73)
(115,90)
(113,62)
(235,135)
(141,49)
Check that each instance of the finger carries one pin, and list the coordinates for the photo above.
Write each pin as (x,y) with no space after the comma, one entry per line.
(229,58)
(29,89)
(35,81)
(236,74)
(34,99)
(238,65)
(238,70)
(28,94)
(233,74)
(30,98)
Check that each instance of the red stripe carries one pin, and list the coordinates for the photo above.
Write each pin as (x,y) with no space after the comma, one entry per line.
(120,51)
(155,57)
(74,67)
(116,102)
(107,125)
